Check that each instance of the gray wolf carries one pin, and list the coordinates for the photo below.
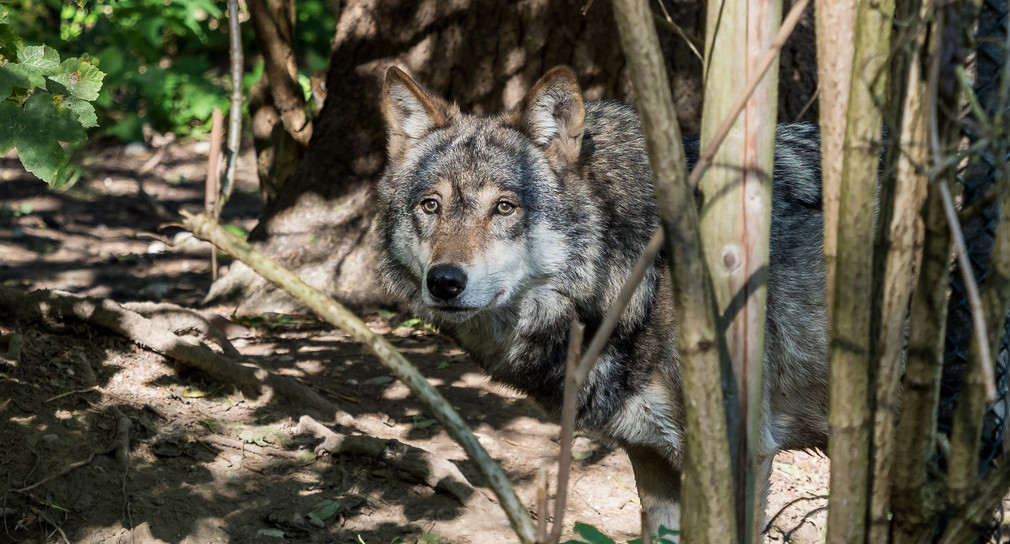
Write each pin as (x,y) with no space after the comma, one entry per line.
(501,229)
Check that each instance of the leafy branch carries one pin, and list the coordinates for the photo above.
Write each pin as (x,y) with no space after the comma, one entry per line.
(45,105)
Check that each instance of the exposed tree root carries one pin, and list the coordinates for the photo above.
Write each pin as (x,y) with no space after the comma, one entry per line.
(152,335)
(179,320)
(437,473)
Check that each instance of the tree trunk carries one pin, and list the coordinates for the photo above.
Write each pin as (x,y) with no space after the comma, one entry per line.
(483,55)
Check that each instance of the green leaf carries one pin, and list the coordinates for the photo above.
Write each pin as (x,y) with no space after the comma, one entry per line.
(592,534)
(83,110)
(582,455)
(10,77)
(36,62)
(37,130)
(236,230)
(325,509)
(81,78)
(423,423)
(412,322)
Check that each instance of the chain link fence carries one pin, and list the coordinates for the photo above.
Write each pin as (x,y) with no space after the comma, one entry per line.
(978,177)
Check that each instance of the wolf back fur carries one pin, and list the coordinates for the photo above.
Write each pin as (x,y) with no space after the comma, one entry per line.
(500,230)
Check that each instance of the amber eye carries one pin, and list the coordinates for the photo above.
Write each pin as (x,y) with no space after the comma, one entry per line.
(504,207)
(429,205)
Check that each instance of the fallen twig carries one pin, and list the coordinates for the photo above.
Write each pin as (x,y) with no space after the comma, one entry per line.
(122,445)
(67,470)
(768,526)
(74,392)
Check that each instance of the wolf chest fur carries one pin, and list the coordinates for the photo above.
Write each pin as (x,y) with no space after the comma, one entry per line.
(502,229)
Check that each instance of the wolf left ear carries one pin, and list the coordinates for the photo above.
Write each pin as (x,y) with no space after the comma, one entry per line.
(411,112)
(552,114)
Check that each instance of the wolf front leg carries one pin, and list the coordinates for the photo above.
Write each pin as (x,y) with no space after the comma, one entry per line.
(658,483)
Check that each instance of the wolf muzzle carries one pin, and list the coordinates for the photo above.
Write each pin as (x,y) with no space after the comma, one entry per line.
(446,281)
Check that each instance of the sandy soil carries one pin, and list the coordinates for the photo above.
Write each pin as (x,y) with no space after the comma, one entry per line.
(207,463)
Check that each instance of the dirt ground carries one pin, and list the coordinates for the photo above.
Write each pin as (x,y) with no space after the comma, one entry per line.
(205,462)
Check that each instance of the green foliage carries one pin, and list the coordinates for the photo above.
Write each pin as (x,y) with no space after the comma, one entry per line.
(167,62)
(45,105)
(592,535)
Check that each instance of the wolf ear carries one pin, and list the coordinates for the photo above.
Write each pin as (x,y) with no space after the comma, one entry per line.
(551,114)
(411,112)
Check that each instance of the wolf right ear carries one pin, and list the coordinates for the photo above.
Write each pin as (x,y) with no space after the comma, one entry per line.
(552,114)
(411,112)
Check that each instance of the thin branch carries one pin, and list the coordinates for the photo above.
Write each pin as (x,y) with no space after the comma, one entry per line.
(235,113)
(212,185)
(569,407)
(542,505)
(971,288)
(202,227)
(667,22)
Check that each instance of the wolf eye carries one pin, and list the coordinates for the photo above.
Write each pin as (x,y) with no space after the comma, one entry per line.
(504,207)
(429,205)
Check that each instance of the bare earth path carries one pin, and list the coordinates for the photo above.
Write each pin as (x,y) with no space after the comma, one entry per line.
(207,463)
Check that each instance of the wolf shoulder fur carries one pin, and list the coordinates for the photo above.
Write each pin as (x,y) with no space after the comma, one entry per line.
(502,229)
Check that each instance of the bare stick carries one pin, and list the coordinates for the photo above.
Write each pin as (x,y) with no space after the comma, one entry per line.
(542,505)
(213,183)
(67,470)
(569,406)
(768,526)
(204,228)
(971,288)
(235,113)
(666,21)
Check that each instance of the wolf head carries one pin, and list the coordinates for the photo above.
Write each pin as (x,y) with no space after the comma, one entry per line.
(477,213)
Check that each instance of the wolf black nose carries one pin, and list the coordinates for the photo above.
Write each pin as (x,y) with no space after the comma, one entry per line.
(445,281)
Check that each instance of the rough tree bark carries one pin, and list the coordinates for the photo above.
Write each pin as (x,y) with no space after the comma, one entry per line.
(481,54)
